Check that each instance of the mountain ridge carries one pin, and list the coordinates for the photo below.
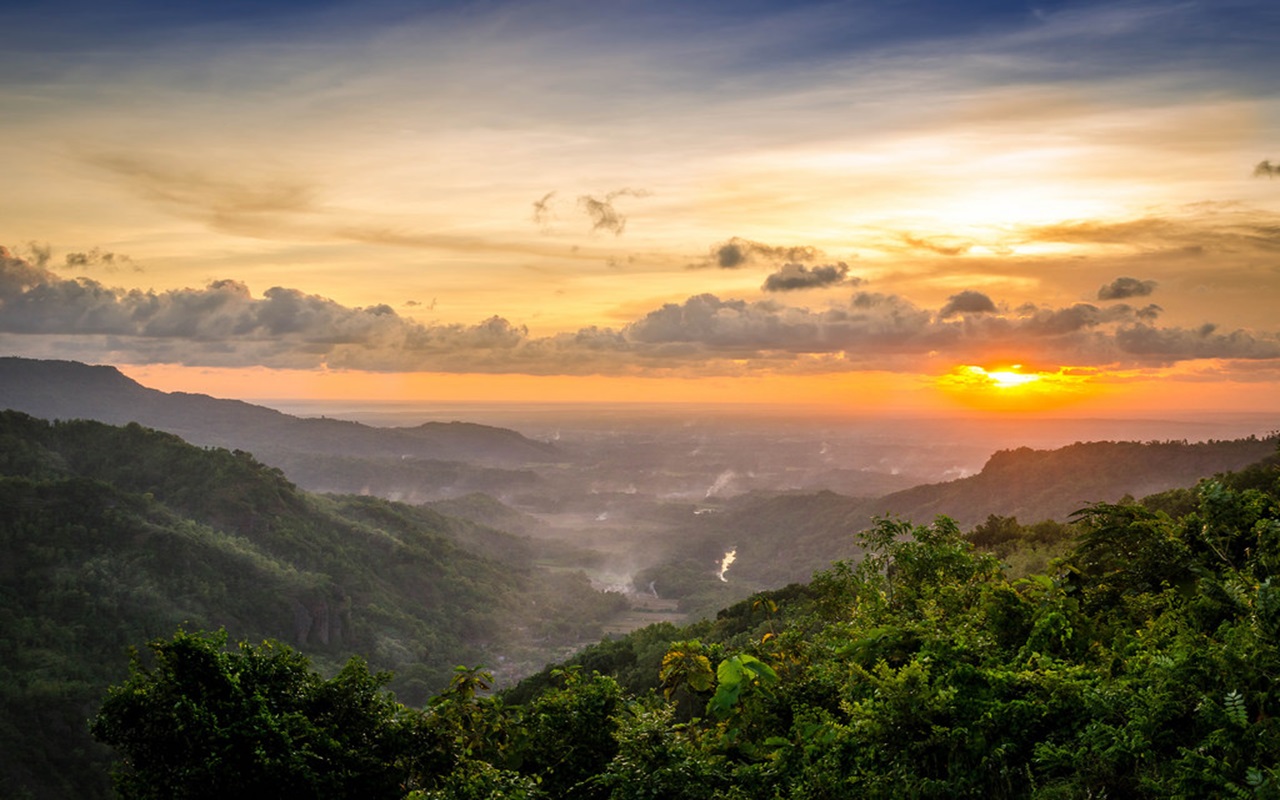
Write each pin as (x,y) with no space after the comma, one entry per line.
(71,390)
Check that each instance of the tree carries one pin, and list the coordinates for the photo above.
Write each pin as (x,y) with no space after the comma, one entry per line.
(206,721)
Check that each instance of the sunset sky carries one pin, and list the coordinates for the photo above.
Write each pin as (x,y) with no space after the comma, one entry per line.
(908,206)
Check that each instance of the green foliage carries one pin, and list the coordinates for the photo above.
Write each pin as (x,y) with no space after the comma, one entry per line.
(114,536)
(571,735)
(1143,663)
(735,674)
(256,721)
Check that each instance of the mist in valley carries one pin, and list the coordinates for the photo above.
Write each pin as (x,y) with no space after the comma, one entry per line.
(680,507)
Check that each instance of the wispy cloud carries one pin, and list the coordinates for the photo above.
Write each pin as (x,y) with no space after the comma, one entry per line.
(604,216)
(542,214)
(738,252)
(236,204)
(1209,226)
(943,247)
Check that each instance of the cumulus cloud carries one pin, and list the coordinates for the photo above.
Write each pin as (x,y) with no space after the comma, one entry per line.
(738,252)
(967,302)
(1072,319)
(603,215)
(225,324)
(707,324)
(1123,288)
(792,277)
(1181,344)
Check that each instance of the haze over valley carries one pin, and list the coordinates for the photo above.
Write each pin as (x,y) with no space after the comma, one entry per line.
(649,500)
(567,400)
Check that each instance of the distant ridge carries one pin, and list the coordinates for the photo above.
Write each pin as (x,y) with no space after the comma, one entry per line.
(1031,485)
(1034,485)
(72,390)
(113,535)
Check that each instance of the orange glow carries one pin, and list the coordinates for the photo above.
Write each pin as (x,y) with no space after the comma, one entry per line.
(996,389)
(1008,388)
(838,394)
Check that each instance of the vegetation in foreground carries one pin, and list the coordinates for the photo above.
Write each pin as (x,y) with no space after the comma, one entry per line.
(111,536)
(1143,664)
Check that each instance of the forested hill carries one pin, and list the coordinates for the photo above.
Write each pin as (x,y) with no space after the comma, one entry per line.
(1031,485)
(1035,485)
(110,536)
(71,390)
(1143,665)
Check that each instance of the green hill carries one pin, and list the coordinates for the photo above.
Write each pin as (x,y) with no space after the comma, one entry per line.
(111,536)
(1142,665)
(435,459)
(781,538)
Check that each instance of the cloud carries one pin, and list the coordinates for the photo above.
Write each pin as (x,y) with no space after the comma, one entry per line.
(967,302)
(1123,288)
(542,210)
(225,324)
(793,276)
(738,252)
(234,204)
(1180,344)
(1072,319)
(1265,169)
(942,247)
(711,326)
(603,215)
(1215,227)
(110,262)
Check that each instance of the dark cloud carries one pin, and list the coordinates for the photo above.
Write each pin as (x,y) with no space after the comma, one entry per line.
(38,253)
(708,326)
(1265,169)
(1180,344)
(603,215)
(738,252)
(225,324)
(792,277)
(967,302)
(109,262)
(1062,321)
(1123,288)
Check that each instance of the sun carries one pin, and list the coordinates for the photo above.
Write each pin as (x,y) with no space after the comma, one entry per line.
(1008,378)
(1008,388)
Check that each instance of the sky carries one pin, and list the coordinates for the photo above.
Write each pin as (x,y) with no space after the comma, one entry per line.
(916,206)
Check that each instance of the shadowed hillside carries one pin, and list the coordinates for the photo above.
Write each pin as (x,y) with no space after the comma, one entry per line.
(785,538)
(413,464)
(111,536)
